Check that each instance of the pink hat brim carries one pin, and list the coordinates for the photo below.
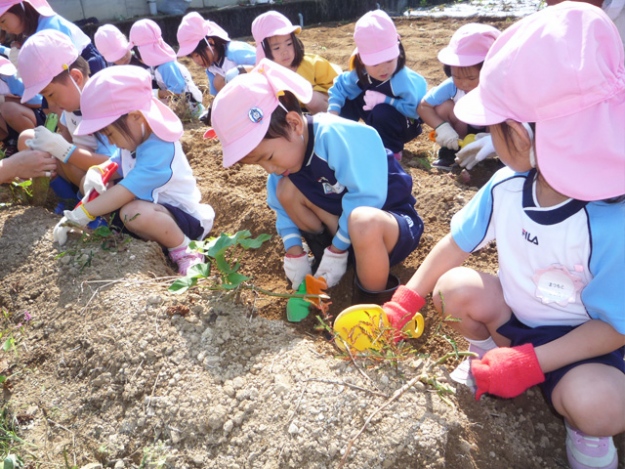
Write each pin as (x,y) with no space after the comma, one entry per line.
(240,148)
(186,49)
(156,54)
(31,91)
(470,109)
(379,57)
(448,57)
(6,67)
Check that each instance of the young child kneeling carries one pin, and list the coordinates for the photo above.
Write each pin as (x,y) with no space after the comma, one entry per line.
(326,178)
(157,198)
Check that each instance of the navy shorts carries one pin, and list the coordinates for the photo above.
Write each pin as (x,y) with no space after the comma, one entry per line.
(410,231)
(520,334)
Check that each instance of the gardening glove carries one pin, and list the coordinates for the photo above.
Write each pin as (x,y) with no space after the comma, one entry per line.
(372,99)
(404,304)
(296,268)
(332,266)
(51,142)
(93,180)
(477,151)
(79,217)
(446,136)
(507,371)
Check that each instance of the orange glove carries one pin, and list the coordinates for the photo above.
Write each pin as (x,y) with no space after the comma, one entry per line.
(507,371)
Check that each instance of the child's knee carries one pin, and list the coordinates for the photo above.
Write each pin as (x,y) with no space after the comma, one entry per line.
(130,215)
(362,224)
(25,135)
(452,291)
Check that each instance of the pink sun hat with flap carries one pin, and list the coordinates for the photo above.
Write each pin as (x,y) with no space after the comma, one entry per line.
(270,24)
(6,67)
(110,42)
(193,29)
(147,36)
(469,45)
(242,109)
(44,56)
(41,6)
(376,38)
(561,68)
(116,91)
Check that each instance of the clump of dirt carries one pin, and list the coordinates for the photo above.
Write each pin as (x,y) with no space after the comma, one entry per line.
(114,370)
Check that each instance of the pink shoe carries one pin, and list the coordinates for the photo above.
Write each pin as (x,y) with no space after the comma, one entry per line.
(185,258)
(589,452)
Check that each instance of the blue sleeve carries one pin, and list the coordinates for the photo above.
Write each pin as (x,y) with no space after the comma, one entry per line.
(470,227)
(16,86)
(441,93)
(173,79)
(152,170)
(4,50)
(286,228)
(604,296)
(358,158)
(54,22)
(409,88)
(211,78)
(241,53)
(345,87)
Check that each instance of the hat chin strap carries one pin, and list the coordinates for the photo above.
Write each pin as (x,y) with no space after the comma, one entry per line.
(532,152)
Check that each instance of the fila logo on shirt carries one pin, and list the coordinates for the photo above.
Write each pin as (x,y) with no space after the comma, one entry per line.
(528,237)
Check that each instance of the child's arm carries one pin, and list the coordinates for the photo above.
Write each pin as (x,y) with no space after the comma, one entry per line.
(410,88)
(111,200)
(172,77)
(345,87)
(241,53)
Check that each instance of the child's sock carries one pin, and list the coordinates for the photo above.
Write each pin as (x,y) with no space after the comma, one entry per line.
(184,244)
(462,373)
(481,346)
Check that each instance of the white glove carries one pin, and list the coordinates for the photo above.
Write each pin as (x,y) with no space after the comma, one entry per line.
(51,142)
(296,269)
(372,99)
(476,151)
(77,218)
(332,266)
(93,180)
(446,136)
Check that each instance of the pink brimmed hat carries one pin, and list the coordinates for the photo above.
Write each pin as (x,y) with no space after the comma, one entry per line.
(6,67)
(116,91)
(242,109)
(561,68)
(469,45)
(41,6)
(376,38)
(270,24)
(147,36)
(44,56)
(111,43)
(193,29)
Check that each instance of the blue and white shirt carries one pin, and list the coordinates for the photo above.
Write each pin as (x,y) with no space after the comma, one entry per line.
(345,166)
(159,172)
(445,91)
(237,53)
(58,23)
(560,265)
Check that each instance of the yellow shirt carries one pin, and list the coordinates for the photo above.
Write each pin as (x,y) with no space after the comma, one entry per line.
(318,71)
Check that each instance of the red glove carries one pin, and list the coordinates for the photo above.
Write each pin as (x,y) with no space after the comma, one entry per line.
(403,306)
(507,371)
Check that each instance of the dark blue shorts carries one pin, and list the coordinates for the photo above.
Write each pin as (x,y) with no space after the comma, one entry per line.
(520,334)
(410,231)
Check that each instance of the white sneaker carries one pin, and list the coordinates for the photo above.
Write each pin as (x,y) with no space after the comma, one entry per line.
(589,452)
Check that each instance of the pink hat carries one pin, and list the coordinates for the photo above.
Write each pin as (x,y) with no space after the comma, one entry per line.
(116,91)
(111,43)
(561,68)
(193,29)
(41,6)
(469,45)
(242,109)
(44,56)
(146,35)
(376,38)
(270,24)
(6,67)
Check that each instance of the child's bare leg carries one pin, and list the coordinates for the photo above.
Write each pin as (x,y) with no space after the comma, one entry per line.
(591,398)
(25,135)
(17,116)
(318,103)
(4,131)
(152,222)
(446,112)
(305,215)
(476,298)
(374,234)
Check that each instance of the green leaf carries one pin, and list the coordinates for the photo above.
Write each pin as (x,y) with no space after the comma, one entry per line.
(9,344)
(224,267)
(9,462)
(220,245)
(199,270)
(256,242)
(182,284)
(2,379)
(233,280)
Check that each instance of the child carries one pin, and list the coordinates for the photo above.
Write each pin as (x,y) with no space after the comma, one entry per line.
(114,47)
(555,307)
(157,198)
(380,89)
(462,60)
(170,76)
(276,38)
(49,64)
(25,18)
(16,117)
(209,46)
(324,178)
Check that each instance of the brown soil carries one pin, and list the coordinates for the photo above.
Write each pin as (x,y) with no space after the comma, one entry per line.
(116,370)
